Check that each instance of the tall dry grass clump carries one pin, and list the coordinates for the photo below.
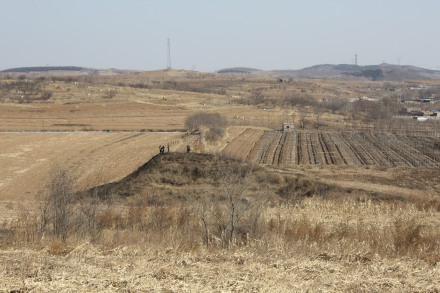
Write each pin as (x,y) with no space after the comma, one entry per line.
(344,228)
(347,227)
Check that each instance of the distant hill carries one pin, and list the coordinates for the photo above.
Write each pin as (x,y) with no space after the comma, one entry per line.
(381,72)
(63,70)
(43,69)
(238,70)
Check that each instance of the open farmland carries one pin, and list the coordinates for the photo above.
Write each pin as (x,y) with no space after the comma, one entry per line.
(352,148)
(343,204)
(95,158)
(92,116)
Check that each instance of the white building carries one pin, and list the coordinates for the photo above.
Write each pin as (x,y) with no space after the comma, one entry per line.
(288,127)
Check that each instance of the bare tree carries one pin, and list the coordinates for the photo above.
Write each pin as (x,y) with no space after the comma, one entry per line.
(318,118)
(236,180)
(57,210)
(110,94)
(302,120)
(202,119)
(211,125)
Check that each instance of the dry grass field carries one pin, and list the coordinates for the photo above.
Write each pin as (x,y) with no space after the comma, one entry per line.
(95,158)
(345,204)
(146,269)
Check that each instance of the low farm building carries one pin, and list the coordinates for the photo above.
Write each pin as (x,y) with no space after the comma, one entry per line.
(288,127)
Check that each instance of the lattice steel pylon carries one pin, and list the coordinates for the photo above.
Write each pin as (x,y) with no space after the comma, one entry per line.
(168,54)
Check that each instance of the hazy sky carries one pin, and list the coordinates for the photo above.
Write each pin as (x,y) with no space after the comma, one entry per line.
(212,34)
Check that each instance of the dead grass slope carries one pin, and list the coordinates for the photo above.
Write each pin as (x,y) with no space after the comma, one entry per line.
(165,226)
(187,175)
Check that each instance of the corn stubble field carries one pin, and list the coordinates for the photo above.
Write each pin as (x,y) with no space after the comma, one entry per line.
(347,202)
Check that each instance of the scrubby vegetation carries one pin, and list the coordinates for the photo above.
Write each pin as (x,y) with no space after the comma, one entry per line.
(215,203)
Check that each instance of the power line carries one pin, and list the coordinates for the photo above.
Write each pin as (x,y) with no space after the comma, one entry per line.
(168,54)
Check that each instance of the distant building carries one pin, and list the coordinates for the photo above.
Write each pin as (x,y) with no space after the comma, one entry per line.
(288,127)
(413,109)
(419,101)
(365,98)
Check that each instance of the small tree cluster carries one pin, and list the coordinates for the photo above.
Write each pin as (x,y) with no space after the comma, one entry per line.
(372,74)
(278,99)
(384,109)
(335,104)
(24,90)
(214,122)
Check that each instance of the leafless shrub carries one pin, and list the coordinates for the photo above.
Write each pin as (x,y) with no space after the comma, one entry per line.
(64,213)
(301,100)
(46,95)
(26,231)
(214,133)
(302,120)
(296,189)
(140,85)
(110,94)
(3,92)
(109,219)
(88,211)
(302,229)
(407,237)
(376,110)
(58,247)
(58,210)
(335,104)
(235,218)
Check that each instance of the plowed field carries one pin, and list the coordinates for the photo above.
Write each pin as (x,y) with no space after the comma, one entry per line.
(335,148)
(243,143)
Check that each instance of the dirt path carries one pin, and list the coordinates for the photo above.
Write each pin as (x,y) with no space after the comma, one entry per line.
(382,188)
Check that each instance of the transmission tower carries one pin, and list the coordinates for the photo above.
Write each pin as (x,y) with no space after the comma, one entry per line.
(169,55)
(356,59)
